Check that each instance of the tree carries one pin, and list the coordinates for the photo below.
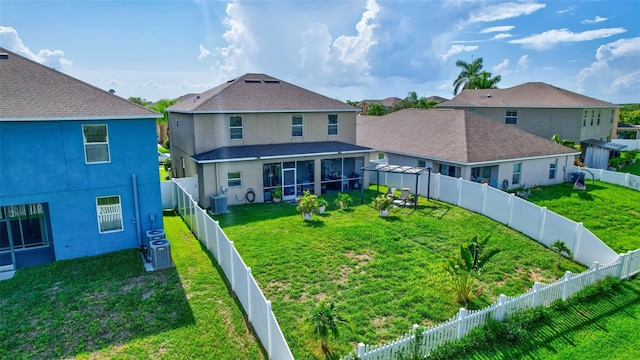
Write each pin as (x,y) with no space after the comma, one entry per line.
(560,247)
(138,101)
(325,320)
(353,103)
(161,106)
(485,81)
(470,71)
(376,109)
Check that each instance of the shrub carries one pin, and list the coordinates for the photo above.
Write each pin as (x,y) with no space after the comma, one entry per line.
(167,164)
(343,200)
(166,144)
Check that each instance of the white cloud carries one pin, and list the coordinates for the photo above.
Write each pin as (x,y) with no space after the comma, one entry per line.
(114,82)
(569,10)
(502,36)
(505,11)
(505,28)
(353,50)
(10,39)
(236,57)
(523,63)
(549,38)
(615,68)
(316,50)
(597,19)
(501,69)
(457,49)
(203,52)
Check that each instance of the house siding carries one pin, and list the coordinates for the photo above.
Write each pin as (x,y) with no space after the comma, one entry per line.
(44,162)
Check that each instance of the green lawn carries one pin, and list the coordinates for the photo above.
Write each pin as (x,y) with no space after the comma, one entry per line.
(632,168)
(109,307)
(611,212)
(384,274)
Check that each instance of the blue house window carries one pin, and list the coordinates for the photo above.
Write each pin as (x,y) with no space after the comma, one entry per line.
(96,143)
(109,214)
(234,179)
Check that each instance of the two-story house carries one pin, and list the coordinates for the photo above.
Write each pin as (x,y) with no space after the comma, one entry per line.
(253,133)
(78,167)
(464,145)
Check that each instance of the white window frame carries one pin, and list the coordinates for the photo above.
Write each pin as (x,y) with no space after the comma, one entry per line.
(516,174)
(511,117)
(111,212)
(231,181)
(332,126)
(297,127)
(553,170)
(236,127)
(96,143)
(422,163)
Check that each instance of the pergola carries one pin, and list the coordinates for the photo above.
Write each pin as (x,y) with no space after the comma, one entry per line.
(396,169)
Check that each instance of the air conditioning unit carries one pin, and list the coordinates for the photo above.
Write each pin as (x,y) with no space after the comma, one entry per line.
(160,254)
(154,234)
(219,204)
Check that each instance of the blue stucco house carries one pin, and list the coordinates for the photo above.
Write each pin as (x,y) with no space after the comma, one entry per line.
(78,167)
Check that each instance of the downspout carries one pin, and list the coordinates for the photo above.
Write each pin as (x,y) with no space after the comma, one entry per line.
(136,207)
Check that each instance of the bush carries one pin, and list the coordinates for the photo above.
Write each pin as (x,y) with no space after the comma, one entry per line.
(166,144)
(167,164)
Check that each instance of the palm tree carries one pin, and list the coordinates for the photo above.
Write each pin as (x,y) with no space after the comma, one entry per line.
(376,109)
(470,72)
(325,320)
(485,81)
(161,123)
(560,247)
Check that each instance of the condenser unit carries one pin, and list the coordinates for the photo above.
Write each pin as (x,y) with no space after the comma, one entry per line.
(219,204)
(160,254)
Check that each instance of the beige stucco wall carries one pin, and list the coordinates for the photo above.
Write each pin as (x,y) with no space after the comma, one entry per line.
(212,130)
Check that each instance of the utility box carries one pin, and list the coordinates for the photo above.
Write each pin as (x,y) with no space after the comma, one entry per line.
(160,254)
(219,204)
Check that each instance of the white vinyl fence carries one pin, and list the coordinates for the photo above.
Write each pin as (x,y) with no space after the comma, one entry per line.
(459,325)
(536,222)
(631,144)
(256,306)
(612,177)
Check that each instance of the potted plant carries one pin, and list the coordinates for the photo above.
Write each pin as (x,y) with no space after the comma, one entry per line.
(307,205)
(276,194)
(382,203)
(322,205)
(343,200)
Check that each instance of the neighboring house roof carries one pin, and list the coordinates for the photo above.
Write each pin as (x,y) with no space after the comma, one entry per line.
(259,93)
(623,126)
(253,152)
(456,136)
(603,144)
(437,99)
(32,91)
(390,101)
(532,94)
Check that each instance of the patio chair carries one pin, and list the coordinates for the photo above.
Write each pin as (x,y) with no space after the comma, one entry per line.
(403,199)
(391,192)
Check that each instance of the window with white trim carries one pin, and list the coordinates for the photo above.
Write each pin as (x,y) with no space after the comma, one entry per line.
(517,169)
(235,127)
(332,128)
(511,117)
(96,143)
(552,169)
(380,156)
(234,179)
(109,214)
(296,125)
(584,119)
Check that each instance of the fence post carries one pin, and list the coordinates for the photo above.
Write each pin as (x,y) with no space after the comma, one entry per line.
(233,280)
(567,285)
(438,175)
(502,300)
(360,351)
(627,180)
(596,268)
(249,314)
(511,197)
(269,345)
(576,245)
(459,191)
(543,218)
(627,269)
(621,263)
(218,241)
(462,323)
(485,188)
(536,294)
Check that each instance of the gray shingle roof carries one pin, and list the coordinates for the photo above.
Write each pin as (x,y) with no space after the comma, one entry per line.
(259,93)
(532,94)
(451,135)
(277,150)
(31,91)
(390,101)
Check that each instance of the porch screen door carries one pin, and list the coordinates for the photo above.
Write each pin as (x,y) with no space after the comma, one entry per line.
(289,180)
(7,257)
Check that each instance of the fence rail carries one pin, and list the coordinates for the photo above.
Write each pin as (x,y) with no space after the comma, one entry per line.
(255,305)
(612,177)
(627,265)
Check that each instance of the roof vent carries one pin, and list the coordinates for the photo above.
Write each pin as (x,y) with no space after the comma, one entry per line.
(253,81)
(272,81)
(488,95)
(196,98)
(4,56)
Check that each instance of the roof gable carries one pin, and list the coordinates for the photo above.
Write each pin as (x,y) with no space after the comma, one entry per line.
(32,91)
(259,93)
(531,94)
(452,135)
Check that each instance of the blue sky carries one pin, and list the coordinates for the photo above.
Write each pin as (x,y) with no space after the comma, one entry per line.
(344,49)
